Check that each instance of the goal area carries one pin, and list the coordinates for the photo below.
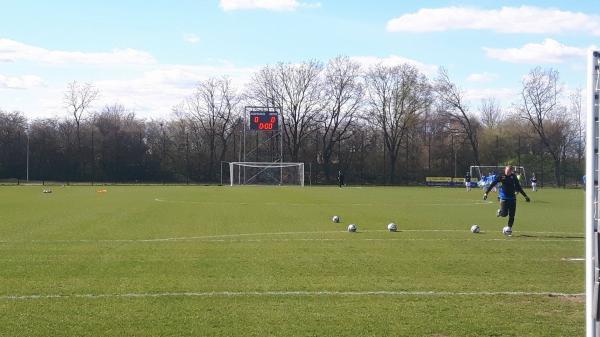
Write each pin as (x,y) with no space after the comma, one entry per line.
(266,173)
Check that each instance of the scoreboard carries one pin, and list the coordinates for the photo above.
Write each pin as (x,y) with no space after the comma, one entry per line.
(264,120)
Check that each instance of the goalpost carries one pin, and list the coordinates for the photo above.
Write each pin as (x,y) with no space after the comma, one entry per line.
(258,173)
(480,171)
(592,208)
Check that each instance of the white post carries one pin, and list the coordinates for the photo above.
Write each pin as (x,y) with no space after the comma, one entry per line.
(27,130)
(591,195)
(302,174)
(230,174)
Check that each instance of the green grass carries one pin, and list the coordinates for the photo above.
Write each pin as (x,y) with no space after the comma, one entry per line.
(251,246)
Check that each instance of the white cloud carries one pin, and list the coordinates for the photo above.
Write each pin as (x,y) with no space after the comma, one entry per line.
(273,5)
(191,38)
(155,92)
(524,19)
(484,77)
(502,94)
(394,60)
(12,51)
(20,82)
(549,51)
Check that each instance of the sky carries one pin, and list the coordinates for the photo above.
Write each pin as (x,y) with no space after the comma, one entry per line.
(149,55)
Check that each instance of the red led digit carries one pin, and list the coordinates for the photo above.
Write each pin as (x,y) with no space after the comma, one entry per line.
(256,119)
(272,120)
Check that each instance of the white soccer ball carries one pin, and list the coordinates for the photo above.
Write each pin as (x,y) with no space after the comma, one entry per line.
(507,231)
(352,228)
(392,227)
(335,219)
(475,229)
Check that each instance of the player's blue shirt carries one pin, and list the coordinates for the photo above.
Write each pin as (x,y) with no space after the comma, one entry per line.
(486,180)
(509,186)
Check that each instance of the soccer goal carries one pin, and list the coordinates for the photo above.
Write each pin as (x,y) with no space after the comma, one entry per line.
(263,173)
(482,171)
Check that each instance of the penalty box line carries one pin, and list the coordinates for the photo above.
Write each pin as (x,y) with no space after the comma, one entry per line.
(226,294)
(223,237)
(273,203)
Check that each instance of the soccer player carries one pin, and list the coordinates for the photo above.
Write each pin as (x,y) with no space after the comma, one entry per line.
(340,179)
(508,198)
(533,182)
(468,181)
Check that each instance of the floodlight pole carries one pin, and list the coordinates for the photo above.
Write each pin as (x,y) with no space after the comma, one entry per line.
(591,185)
(281,126)
(27,132)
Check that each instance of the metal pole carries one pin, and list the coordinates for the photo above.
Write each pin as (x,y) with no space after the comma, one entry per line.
(93,157)
(244,144)
(453,152)
(591,169)
(239,158)
(27,131)
(162,159)
(280,120)
(187,158)
(497,145)
(519,152)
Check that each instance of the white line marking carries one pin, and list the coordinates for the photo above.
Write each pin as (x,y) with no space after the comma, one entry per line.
(573,259)
(291,294)
(225,236)
(458,204)
(272,203)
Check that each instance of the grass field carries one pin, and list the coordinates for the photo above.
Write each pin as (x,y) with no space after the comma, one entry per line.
(261,261)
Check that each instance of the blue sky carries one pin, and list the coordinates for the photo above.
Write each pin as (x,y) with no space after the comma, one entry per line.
(148,55)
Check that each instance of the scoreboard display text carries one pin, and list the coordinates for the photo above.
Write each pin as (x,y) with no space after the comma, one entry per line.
(264,120)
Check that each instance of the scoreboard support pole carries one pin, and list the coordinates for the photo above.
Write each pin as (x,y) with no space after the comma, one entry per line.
(592,284)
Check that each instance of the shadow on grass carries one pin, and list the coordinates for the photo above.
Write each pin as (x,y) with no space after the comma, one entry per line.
(550,236)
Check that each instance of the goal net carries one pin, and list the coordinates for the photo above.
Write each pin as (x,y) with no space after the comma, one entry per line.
(265,173)
(485,173)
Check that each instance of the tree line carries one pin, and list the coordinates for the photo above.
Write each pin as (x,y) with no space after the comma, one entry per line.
(379,125)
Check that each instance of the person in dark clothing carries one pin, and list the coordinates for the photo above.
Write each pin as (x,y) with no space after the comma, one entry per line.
(341,179)
(507,194)
(468,181)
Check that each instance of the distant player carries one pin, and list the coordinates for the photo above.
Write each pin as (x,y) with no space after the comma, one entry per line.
(468,181)
(340,179)
(533,183)
(508,198)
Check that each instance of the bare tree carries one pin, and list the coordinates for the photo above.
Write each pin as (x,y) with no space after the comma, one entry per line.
(343,92)
(540,106)
(212,108)
(397,96)
(577,112)
(491,113)
(297,89)
(452,104)
(78,98)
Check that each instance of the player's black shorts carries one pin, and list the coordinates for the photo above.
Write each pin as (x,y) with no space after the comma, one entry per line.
(508,207)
